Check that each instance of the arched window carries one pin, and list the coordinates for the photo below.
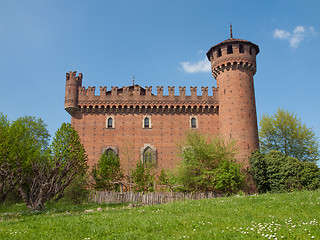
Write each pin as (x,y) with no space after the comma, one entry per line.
(110,122)
(193,122)
(111,152)
(148,154)
(146,123)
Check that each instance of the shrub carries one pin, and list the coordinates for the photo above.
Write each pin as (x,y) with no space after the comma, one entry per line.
(78,191)
(107,174)
(143,178)
(209,165)
(275,172)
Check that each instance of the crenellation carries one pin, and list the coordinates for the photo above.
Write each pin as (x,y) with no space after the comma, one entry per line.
(171,91)
(182,91)
(148,90)
(159,91)
(193,91)
(91,91)
(204,91)
(125,91)
(114,91)
(136,90)
(103,90)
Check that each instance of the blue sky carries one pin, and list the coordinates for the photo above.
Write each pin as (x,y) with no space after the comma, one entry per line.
(160,43)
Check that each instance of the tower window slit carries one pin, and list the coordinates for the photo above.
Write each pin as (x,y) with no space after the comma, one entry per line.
(219,52)
(241,50)
(229,49)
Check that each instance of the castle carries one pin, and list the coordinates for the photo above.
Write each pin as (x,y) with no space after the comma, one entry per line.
(138,125)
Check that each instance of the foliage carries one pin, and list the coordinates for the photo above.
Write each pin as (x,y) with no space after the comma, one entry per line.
(209,165)
(168,180)
(107,172)
(285,132)
(275,172)
(143,178)
(50,176)
(228,177)
(22,142)
(289,216)
(78,190)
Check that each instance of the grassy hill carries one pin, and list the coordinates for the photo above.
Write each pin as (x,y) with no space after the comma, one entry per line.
(270,216)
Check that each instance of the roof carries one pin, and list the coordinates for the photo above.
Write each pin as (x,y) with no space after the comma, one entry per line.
(232,40)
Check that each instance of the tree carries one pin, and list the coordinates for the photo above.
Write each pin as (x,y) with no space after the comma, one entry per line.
(208,164)
(7,181)
(107,172)
(55,170)
(143,178)
(21,142)
(285,132)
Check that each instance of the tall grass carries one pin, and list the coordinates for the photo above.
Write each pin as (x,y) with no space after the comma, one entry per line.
(269,216)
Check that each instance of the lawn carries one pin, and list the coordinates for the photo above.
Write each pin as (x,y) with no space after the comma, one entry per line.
(293,215)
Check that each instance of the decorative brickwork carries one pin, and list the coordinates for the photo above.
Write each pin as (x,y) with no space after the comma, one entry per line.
(116,118)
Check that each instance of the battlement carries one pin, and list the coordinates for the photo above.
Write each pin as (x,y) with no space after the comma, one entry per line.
(138,91)
(80,98)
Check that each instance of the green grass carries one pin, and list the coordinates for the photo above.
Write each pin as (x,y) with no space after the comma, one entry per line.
(279,216)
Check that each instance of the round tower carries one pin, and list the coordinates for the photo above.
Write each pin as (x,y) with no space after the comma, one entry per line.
(233,64)
(71,96)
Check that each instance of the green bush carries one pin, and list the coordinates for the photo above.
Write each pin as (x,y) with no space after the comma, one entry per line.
(107,172)
(209,165)
(143,178)
(78,190)
(275,172)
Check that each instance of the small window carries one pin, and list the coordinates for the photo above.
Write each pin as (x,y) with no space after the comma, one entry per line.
(229,49)
(193,122)
(219,52)
(241,50)
(110,122)
(250,51)
(146,122)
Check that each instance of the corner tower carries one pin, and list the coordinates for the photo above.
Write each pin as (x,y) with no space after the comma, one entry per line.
(233,64)
(73,82)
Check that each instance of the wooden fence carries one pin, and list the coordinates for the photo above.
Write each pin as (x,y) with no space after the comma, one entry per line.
(147,198)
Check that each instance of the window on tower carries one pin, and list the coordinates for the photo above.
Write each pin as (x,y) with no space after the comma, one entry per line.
(110,122)
(146,122)
(219,52)
(193,122)
(229,49)
(241,50)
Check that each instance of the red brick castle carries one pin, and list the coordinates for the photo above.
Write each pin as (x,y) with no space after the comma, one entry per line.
(138,125)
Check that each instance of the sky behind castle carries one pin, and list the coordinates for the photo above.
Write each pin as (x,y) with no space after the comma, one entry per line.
(159,42)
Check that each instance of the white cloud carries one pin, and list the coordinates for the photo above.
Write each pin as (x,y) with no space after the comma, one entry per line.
(299,34)
(200,66)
